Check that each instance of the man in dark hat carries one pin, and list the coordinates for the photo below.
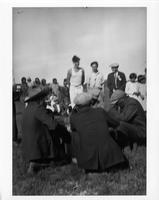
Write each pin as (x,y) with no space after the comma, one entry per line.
(131,117)
(116,79)
(75,79)
(39,130)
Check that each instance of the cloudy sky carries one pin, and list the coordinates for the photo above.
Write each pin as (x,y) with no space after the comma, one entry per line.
(45,39)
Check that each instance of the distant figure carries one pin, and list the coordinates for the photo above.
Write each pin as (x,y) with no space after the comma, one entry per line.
(131,117)
(132,86)
(55,87)
(65,96)
(75,79)
(116,79)
(142,91)
(93,146)
(36,83)
(14,125)
(43,84)
(24,89)
(29,82)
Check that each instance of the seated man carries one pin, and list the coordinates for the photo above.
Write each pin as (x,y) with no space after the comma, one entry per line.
(40,131)
(131,117)
(94,148)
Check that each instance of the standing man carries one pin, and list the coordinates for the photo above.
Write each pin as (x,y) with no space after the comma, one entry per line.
(75,79)
(96,80)
(116,79)
(95,85)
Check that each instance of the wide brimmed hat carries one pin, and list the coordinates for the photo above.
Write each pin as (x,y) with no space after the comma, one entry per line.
(114,65)
(83,98)
(36,94)
(117,94)
(94,92)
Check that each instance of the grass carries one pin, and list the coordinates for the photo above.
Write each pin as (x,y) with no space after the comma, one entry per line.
(70,180)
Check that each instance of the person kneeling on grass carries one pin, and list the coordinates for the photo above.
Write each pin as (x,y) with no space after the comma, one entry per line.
(41,133)
(92,144)
(131,117)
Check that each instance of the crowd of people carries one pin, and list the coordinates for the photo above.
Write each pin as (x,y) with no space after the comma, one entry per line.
(99,118)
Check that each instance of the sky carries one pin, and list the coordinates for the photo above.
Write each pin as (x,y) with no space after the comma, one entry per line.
(45,40)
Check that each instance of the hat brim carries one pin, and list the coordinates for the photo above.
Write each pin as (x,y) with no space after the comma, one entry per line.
(38,96)
(114,102)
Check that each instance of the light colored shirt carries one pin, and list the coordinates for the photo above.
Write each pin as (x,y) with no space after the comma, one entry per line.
(131,88)
(96,80)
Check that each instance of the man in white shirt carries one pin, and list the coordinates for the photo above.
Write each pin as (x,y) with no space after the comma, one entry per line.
(96,82)
(96,79)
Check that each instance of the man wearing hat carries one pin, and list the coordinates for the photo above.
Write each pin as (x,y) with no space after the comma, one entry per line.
(38,130)
(131,117)
(94,148)
(116,79)
(75,79)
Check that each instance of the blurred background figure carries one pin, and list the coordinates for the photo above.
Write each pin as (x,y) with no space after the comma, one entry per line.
(43,84)
(142,91)
(24,89)
(55,87)
(64,97)
(14,122)
(36,83)
(29,82)
(132,86)
(116,79)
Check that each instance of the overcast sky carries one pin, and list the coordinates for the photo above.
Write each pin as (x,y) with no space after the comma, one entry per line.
(45,39)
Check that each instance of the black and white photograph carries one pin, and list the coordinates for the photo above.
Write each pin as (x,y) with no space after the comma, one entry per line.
(79,100)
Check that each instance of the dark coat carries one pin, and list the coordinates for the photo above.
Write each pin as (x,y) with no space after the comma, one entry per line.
(131,117)
(120,83)
(95,148)
(36,138)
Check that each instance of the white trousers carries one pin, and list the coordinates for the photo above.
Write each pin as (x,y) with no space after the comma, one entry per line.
(74,90)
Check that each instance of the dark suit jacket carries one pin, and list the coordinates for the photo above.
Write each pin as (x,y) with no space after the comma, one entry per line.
(131,113)
(36,139)
(95,148)
(121,82)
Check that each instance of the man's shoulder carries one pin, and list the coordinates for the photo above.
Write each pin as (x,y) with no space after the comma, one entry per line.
(110,74)
(121,73)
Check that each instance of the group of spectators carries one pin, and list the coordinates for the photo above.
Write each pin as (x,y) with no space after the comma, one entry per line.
(102,118)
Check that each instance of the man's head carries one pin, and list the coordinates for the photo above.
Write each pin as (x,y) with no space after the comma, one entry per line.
(54,80)
(23,80)
(43,81)
(65,82)
(37,81)
(114,67)
(29,80)
(141,79)
(76,61)
(94,66)
(133,77)
(83,99)
(117,96)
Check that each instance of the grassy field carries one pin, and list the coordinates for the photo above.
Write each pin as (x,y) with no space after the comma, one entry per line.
(70,180)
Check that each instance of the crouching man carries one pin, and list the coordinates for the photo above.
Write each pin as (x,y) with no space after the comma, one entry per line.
(93,146)
(40,131)
(131,117)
